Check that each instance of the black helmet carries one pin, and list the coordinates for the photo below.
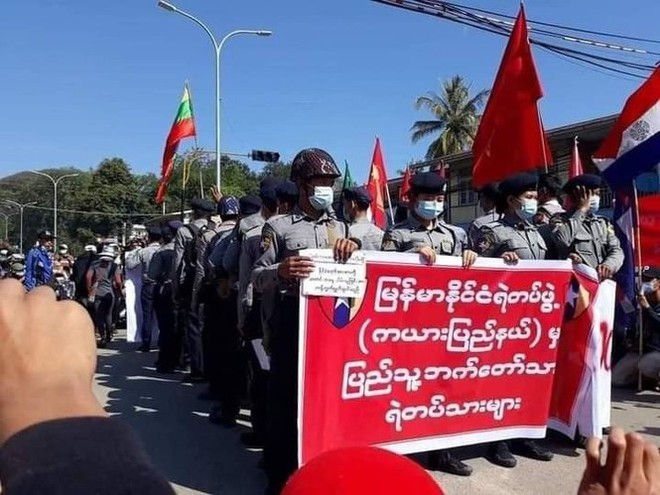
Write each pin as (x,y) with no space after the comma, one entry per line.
(313,162)
(45,234)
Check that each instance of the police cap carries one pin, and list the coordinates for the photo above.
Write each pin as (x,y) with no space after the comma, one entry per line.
(45,234)
(174,225)
(428,183)
(651,272)
(155,231)
(270,182)
(313,162)
(203,205)
(250,204)
(588,181)
(518,184)
(228,206)
(359,194)
(268,188)
(490,191)
(287,191)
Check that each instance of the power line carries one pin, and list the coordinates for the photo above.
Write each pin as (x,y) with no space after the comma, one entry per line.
(101,213)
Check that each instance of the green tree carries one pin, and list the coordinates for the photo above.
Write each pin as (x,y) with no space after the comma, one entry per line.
(456,115)
(277,169)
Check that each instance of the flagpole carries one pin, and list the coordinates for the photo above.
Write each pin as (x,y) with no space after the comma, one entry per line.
(638,256)
(545,154)
(389,202)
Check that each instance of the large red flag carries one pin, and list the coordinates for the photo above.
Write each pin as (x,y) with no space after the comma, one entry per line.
(576,162)
(376,186)
(511,138)
(405,187)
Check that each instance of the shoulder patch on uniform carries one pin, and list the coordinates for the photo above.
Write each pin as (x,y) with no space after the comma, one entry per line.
(388,242)
(267,236)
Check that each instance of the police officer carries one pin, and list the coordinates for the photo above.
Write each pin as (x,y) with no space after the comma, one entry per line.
(487,202)
(514,237)
(287,197)
(186,293)
(280,266)
(143,257)
(39,264)
(425,233)
(583,236)
(356,202)
(549,190)
(160,271)
(250,320)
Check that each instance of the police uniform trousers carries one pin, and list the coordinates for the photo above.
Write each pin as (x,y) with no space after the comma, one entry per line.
(281,447)
(147,300)
(193,337)
(225,361)
(258,378)
(170,338)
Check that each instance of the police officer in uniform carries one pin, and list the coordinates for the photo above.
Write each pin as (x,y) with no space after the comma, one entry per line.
(583,236)
(186,294)
(425,233)
(549,189)
(488,196)
(514,237)
(309,225)
(356,202)
(160,271)
(250,322)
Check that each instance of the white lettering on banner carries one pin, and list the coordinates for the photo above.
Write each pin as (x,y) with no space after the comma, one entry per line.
(437,409)
(357,382)
(461,337)
(399,293)
(333,279)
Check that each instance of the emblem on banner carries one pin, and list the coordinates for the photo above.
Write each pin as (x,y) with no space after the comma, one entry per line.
(340,311)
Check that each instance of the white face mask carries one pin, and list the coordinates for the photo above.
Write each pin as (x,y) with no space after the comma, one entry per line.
(528,208)
(322,198)
(594,204)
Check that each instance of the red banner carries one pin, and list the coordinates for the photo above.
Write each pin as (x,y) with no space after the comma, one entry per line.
(431,357)
(649,229)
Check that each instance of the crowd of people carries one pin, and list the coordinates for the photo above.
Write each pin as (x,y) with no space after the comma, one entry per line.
(223,288)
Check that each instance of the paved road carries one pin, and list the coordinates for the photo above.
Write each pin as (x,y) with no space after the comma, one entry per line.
(200,458)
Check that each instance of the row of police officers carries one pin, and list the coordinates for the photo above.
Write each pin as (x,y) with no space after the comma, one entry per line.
(235,284)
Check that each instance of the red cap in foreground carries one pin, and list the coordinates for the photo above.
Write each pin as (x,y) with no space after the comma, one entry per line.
(360,471)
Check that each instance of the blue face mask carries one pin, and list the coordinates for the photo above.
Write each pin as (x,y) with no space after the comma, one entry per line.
(594,204)
(322,198)
(528,208)
(439,208)
(428,210)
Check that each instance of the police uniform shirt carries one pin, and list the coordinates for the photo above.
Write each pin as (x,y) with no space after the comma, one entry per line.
(474,228)
(159,267)
(145,255)
(589,236)
(232,256)
(370,235)
(181,239)
(286,236)
(511,234)
(410,235)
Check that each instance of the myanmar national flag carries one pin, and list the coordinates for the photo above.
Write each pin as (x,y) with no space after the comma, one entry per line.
(183,127)
(348,179)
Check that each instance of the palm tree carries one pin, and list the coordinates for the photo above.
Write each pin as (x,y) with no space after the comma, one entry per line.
(456,113)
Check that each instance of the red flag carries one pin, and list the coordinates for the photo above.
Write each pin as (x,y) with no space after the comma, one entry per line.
(405,187)
(441,170)
(511,138)
(183,127)
(376,186)
(576,162)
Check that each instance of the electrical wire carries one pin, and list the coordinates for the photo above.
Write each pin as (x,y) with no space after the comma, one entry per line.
(462,15)
(101,213)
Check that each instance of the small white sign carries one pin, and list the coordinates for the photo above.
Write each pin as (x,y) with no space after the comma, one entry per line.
(333,279)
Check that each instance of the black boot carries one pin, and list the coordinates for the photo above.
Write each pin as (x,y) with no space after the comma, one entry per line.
(500,455)
(443,460)
(532,450)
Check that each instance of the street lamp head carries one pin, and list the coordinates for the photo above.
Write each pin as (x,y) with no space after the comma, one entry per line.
(264,33)
(166,5)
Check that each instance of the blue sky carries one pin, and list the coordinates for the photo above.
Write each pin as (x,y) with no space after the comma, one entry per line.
(83,80)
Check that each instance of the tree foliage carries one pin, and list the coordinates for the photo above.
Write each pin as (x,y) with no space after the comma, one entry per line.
(456,115)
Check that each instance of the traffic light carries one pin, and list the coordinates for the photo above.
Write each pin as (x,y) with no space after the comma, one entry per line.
(265,156)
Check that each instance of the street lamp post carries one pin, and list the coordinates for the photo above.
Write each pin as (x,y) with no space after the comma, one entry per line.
(6,217)
(21,208)
(218,50)
(55,182)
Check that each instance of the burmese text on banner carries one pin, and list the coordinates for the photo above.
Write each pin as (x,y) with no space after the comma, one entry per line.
(432,357)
